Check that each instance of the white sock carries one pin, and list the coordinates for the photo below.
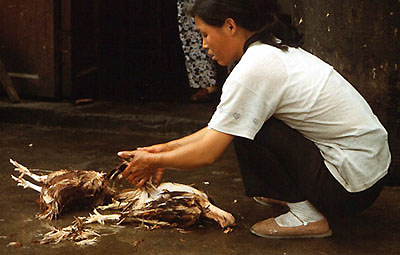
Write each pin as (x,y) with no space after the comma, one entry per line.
(300,213)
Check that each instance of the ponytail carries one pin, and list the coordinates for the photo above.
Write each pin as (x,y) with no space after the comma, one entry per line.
(278,32)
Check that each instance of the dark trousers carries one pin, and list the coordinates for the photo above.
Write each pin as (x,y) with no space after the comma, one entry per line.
(280,163)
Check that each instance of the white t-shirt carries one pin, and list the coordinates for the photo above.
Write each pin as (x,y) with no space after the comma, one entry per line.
(311,97)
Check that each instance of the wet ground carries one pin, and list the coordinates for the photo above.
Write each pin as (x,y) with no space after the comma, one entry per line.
(55,142)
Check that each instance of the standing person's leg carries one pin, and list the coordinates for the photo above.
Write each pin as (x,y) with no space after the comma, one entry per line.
(201,70)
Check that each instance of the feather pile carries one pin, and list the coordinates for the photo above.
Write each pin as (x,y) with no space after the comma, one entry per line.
(78,232)
(167,205)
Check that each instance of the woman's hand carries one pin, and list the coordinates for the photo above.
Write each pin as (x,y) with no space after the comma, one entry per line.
(193,151)
(140,169)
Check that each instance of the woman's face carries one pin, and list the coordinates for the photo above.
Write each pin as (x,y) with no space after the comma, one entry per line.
(218,41)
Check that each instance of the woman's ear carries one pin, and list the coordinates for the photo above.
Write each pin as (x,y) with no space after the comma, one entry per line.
(231,25)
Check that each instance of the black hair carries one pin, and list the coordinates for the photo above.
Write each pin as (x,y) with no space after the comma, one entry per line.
(260,16)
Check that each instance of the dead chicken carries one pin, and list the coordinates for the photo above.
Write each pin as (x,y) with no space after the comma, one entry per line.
(66,189)
(169,204)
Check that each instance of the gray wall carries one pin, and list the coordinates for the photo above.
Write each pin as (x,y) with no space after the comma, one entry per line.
(360,39)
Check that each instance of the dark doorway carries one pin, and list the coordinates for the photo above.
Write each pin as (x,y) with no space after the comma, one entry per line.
(140,53)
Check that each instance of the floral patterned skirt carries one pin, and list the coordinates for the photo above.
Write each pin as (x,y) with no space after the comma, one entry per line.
(201,70)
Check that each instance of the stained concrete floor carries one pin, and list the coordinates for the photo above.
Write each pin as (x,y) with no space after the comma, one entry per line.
(53,136)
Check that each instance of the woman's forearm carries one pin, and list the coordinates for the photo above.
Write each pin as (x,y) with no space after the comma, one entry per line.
(203,148)
(174,144)
(187,139)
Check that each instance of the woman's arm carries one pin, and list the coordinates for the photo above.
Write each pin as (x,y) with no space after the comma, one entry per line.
(202,151)
(204,148)
(172,145)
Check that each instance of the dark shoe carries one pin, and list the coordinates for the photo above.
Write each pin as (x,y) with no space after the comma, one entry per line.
(270,229)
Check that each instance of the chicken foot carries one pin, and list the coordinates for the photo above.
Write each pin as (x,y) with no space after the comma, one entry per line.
(26,184)
(25,171)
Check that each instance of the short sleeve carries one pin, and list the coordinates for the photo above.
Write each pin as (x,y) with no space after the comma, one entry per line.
(241,112)
(252,93)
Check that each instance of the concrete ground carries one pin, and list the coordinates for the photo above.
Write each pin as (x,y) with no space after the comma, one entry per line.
(48,135)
